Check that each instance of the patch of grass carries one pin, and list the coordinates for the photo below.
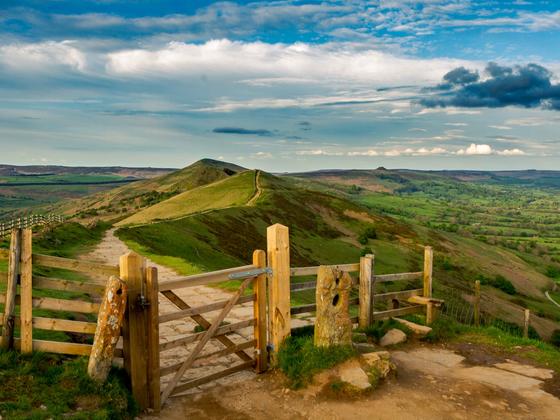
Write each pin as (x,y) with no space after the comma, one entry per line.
(69,239)
(300,360)
(444,328)
(43,386)
(379,328)
(537,350)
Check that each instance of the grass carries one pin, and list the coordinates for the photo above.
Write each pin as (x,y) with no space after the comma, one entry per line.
(45,386)
(300,360)
(230,192)
(379,328)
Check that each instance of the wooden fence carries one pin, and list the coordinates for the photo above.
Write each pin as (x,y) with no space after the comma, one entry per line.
(269,274)
(28,221)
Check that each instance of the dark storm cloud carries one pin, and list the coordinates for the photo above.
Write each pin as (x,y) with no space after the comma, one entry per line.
(529,86)
(242,131)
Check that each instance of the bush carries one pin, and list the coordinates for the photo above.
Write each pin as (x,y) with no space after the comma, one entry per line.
(299,359)
(500,282)
(555,338)
(553,272)
(365,251)
(366,235)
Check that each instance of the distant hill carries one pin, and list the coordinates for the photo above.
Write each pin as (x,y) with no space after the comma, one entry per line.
(42,170)
(131,198)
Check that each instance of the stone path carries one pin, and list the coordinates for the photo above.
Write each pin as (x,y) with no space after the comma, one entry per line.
(111,248)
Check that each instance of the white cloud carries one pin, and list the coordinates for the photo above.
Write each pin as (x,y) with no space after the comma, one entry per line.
(42,57)
(318,152)
(511,152)
(246,60)
(364,153)
(476,149)
(500,127)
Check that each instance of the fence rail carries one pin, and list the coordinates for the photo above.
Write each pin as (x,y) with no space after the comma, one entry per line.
(28,221)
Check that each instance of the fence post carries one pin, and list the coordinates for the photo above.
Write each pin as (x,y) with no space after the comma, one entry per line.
(11,290)
(477,303)
(526,320)
(109,321)
(259,310)
(135,340)
(427,277)
(278,250)
(152,289)
(366,290)
(26,291)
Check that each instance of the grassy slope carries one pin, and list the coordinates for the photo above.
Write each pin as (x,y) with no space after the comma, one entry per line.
(128,199)
(230,192)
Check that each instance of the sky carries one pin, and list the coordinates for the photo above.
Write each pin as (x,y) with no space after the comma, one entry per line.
(281,85)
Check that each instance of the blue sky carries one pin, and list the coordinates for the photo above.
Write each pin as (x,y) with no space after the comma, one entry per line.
(281,85)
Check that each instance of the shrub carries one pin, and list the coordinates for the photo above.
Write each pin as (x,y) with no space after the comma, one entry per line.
(555,338)
(366,250)
(299,359)
(553,272)
(379,328)
(367,234)
(500,282)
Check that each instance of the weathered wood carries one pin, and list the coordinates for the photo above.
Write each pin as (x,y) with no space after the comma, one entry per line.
(207,335)
(91,288)
(476,303)
(74,349)
(278,253)
(168,370)
(132,268)
(153,338)
(202,309)
(75,265)
(397,312)
(312,271)
(53,324)
(332,324)
(526,322)
(200,381)
(203,322)
(66,305)
(108,329)
(259,311)
(423,300)
(14,258)
(366,290)
(383,278)
(226,329)
(26,291)
(405,294)
(204,278)
(427,274)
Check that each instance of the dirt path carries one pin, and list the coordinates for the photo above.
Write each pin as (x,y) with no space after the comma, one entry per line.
(552,300)
(432,383)
(111,248)
(258,189)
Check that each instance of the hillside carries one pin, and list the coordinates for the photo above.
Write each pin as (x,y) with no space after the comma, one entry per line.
(128,199)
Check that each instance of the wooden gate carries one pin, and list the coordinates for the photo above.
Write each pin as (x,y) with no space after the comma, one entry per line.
(252,352)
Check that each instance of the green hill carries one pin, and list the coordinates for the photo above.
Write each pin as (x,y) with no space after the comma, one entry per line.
(129,199)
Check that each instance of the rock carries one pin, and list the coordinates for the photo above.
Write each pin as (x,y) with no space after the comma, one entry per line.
(379,365)
(392,337)
(354,376)
(333,325)
(364,347)
(417,329)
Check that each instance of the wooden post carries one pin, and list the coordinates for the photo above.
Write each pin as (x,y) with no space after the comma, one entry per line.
(152,289)
(135,337)
(11,290)
(26,291)
(526,322)
(259,310)
(427,276)
(366,290)
(108,331)
(477,303)
(278,250)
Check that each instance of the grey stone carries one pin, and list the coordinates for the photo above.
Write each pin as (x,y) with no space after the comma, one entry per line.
(392,337)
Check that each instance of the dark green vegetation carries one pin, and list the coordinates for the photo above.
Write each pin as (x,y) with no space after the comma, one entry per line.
(299,359)
(379,328)
(41,386)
